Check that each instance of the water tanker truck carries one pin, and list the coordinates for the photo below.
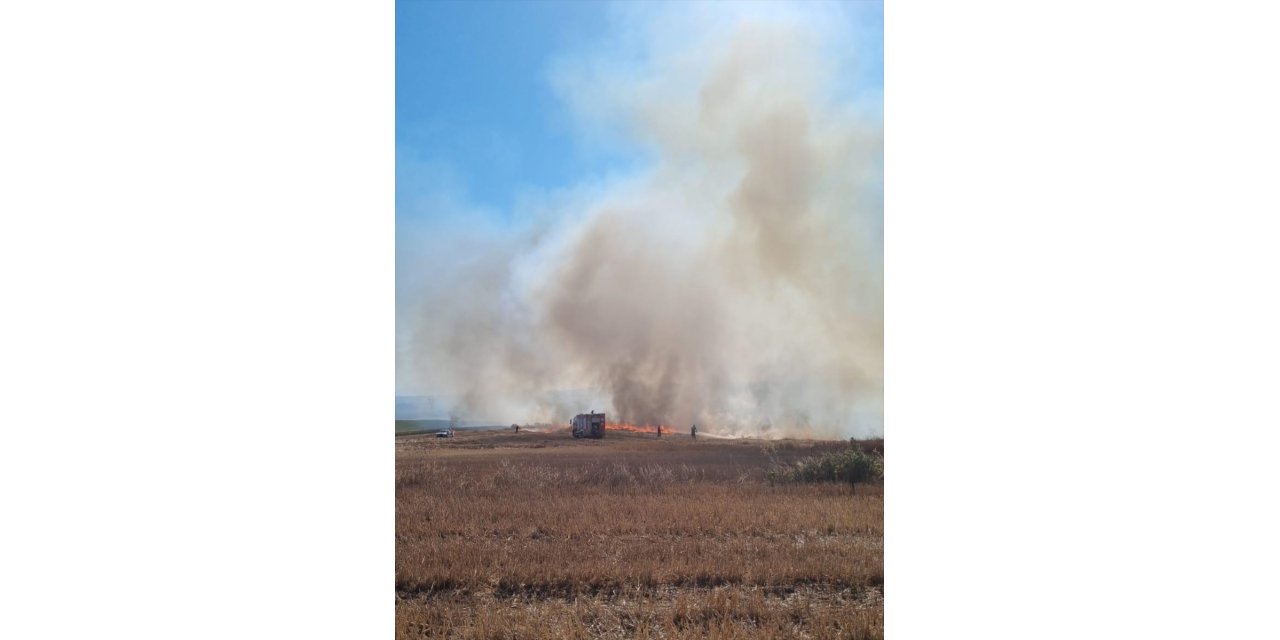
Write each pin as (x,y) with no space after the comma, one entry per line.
(588,425)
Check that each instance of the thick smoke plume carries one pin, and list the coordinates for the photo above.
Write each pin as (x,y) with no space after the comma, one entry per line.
(735,283)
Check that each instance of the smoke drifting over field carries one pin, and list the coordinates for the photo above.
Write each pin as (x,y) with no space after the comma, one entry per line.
(735,282)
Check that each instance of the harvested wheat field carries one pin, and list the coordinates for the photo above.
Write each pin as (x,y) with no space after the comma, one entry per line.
(504,535)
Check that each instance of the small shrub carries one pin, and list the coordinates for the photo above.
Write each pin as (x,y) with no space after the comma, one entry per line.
(850,465)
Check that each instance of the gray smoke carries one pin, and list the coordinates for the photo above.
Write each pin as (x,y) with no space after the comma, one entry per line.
(736,283)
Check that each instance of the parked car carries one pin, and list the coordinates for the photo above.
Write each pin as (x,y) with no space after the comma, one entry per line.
(447,433)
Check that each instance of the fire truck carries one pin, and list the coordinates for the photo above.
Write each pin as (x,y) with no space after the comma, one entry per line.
(588,425)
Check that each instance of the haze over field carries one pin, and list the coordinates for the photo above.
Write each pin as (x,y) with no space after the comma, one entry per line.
(728,273)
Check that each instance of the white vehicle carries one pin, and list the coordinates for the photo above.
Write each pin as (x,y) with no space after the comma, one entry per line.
(447,433)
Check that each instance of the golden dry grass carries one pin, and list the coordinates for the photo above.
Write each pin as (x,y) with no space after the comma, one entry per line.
(540,535)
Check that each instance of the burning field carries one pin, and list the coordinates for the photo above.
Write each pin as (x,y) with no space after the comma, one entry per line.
(732,277)
(536,534)
(713,256)
(639,428)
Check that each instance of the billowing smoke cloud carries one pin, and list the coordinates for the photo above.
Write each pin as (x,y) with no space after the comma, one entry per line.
(735,282)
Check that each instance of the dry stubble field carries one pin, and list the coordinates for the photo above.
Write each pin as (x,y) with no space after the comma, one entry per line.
(535,535)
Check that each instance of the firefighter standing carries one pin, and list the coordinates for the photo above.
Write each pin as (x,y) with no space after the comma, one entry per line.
(694,432)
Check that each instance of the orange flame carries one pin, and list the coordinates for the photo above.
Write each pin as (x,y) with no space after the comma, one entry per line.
(638,428)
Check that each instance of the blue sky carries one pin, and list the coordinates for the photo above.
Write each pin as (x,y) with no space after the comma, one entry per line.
(476,111)
(473,98)
(524,127)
